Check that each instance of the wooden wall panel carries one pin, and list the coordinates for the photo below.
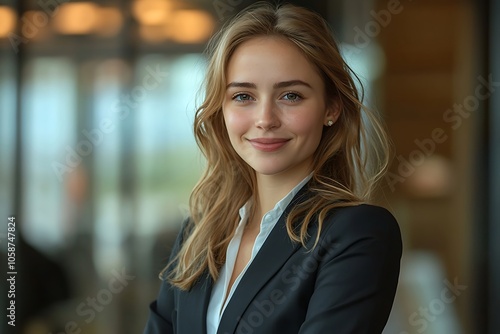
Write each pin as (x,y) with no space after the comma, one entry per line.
(430,54)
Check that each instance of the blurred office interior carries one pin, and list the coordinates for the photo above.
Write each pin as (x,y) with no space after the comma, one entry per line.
(97,155)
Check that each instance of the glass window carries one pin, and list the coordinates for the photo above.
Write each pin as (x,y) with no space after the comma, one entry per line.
(50,101)
(168,163)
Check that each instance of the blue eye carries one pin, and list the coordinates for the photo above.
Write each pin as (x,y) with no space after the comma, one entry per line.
(292,97)
(242,97)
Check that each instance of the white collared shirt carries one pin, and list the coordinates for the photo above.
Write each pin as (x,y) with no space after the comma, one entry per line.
(269,220)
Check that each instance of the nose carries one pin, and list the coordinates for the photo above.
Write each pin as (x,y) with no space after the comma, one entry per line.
(267,116)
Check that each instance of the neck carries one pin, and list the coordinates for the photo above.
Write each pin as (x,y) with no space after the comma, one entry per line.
(272,188)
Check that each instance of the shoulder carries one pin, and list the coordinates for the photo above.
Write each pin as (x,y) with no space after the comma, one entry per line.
(362,221)
(364,214)
(361,233)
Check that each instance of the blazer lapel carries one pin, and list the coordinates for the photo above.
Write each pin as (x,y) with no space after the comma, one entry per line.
(274,252)
(194,304)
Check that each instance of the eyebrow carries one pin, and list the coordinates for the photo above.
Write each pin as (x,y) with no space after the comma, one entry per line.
(291,83)
(277,85)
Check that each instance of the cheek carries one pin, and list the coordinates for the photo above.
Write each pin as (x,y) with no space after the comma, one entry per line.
(236,123)
(306,125)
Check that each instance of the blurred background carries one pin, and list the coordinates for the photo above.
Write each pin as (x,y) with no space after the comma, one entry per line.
(97,156)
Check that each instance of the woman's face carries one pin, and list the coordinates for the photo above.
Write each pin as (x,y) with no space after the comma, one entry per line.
(274,107)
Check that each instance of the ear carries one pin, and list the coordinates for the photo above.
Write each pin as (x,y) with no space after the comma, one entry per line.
(332,111)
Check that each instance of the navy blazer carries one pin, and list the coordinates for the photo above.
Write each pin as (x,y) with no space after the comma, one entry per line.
(345,285)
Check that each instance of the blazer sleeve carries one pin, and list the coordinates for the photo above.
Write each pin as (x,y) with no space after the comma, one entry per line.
(357,278)
(162,310)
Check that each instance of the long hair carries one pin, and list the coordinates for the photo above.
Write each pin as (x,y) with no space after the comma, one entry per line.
(351,157)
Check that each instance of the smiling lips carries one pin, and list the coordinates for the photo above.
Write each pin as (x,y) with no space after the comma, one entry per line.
(268,144)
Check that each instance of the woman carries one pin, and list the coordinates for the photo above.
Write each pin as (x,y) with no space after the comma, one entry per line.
(280,239)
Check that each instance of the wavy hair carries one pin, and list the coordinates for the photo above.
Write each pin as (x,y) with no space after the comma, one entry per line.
(351,157)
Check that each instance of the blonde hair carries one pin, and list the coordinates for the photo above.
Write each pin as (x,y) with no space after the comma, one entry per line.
(348,162)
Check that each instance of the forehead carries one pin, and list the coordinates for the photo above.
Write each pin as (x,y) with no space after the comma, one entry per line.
(272,58)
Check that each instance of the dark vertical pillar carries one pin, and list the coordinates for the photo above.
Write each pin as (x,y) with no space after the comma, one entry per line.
(494,170)
(480,263)
(128,170)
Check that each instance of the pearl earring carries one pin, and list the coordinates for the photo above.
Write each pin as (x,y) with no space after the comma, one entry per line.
(329,123)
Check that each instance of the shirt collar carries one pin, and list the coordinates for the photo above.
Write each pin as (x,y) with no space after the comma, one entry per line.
(274,214)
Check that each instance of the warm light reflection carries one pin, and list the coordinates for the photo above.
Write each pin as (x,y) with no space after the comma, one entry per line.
(110,21)
(191,26)
(7,21)
(76,18)
(432,179)
(37,25)
(152,12)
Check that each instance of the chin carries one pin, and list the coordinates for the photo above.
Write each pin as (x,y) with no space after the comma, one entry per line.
(270,169)
(267,170)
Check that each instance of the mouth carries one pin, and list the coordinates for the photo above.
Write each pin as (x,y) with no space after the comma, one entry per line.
(268,144)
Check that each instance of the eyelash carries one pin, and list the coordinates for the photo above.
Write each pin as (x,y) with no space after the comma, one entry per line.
(298,96)
(297,99)
(235,97)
